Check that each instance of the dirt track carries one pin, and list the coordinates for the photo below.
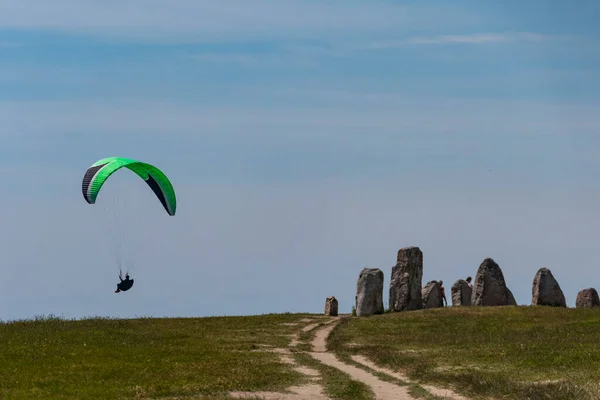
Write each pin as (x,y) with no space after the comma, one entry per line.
(383,390)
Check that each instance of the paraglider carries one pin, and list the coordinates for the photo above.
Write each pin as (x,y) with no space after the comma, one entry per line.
(96,176)
(125,284)
(98,173)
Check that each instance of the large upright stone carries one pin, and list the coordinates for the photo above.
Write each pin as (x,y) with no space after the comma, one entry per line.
(431,295)
(461,293)
(331,306)
(510,298)
(546,291)
(406,280)
(369,292)
(489,288)
(587,298)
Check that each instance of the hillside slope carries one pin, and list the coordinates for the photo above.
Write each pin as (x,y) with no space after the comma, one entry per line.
(492,352)
(143,358)
(516,352)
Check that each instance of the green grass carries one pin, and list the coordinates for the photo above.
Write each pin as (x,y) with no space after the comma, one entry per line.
(515,352)
(507,352)
(143,358)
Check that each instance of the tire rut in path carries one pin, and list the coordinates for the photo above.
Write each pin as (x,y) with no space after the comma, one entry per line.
(383,390)
(313,390)
(444,393)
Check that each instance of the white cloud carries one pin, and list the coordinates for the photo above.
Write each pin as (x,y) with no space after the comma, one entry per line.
(248,60)
(310,54)
(288,54)
(298,58)
(476,38)
(7,44)
(168,19)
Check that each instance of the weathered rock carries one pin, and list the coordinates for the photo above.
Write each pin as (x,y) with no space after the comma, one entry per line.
(546,291)
(461,293)
(587,298)
(406,281)
(369,292)
(331,306)
(489,288)
(431,295)
(510,298)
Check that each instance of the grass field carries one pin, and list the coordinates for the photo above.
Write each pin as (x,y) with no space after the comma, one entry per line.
(143,358)
(501,352)
(506,352)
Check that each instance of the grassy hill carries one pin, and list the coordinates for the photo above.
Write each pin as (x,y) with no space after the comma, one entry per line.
(142,358)
(515,352)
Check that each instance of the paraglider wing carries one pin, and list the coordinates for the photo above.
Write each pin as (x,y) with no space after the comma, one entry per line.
(99,172)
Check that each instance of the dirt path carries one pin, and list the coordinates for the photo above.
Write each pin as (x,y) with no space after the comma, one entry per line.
(383,390)
(311,391)
(444,393)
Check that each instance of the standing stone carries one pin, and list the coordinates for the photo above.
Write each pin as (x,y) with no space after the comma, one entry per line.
(431,295)
(369,292)
(587,298)
(510,298)
(331,306)
(461,293)
(546,291)
(489,288)
(406,280)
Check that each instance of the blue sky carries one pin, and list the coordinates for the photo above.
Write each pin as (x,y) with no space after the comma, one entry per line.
(306,140)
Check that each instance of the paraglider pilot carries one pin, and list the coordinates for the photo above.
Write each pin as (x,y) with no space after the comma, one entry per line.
(125,284)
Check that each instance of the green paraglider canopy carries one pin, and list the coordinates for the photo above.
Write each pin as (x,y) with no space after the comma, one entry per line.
(119,211)
(100,171)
